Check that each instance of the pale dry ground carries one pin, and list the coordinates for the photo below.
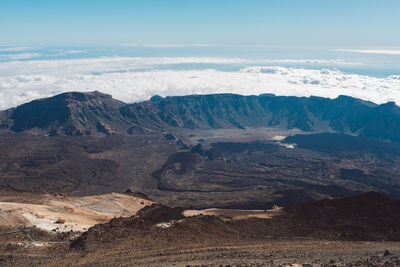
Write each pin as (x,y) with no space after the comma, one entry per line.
(80,213)
(208,137)
(73,213)
(235,214)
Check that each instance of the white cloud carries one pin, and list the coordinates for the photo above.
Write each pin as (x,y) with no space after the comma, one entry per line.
(106,64)
(18,49)
(74,51)
(372,51)
(307,61)
(168,45)
(135,79)
(19,56)
(109,64)
(66,53)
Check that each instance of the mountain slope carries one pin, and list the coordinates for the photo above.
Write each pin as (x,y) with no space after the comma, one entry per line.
(313,114)
(96,113)
(69,113)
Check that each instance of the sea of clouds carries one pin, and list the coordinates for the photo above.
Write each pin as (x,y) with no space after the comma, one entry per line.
(133,79)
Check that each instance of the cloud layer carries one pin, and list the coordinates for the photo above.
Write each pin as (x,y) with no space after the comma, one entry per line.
(372,51)
(167,45)
(137,79)
(18,48)
(19,56)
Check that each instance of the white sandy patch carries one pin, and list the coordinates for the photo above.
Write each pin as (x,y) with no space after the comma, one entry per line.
(278,138)
(288,145)
(72,213)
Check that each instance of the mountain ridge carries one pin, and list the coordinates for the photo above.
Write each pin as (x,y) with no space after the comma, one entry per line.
(95,113)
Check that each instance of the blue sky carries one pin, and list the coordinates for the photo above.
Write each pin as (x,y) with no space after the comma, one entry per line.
(135,49)
(330,23)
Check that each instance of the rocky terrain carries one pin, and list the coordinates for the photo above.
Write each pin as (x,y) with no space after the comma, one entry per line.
(225,151)
(245,174)
(242,180)
(319,233)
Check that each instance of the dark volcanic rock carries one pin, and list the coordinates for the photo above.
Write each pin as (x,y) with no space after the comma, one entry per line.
(332,142)
(122,227)
(371,216)
(33,163)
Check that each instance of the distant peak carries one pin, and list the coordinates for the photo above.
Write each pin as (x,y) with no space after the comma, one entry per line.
(155,98)
(345,98)
(390,104)
(268,95)
(83,96)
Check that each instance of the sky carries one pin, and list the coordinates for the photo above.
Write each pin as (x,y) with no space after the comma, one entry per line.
(135,49)
(328,23)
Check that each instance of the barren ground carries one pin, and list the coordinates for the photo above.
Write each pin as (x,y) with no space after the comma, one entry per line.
(235,214)
(161,236)
(265,253)
(62,213)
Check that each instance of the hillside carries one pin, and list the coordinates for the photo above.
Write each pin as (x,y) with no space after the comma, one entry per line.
(67,114)
(96,113)
(318,233)
(225,151)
